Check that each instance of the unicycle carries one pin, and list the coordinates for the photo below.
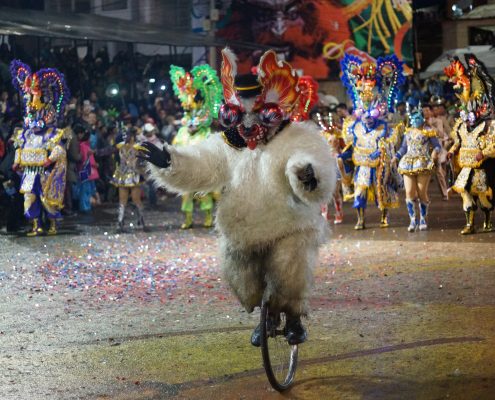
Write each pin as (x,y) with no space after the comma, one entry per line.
(279,357)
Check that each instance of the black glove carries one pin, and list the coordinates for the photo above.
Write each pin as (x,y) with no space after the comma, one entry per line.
(149,152)
(307,176)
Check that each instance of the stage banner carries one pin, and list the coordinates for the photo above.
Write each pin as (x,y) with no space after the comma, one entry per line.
(313,35)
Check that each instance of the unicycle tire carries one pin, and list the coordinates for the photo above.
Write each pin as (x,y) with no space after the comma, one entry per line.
(279,357)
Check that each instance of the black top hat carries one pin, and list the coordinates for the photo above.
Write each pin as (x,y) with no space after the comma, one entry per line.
(247,85)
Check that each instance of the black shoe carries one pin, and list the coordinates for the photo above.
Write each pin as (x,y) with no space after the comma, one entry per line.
(295,331)
(256,336)
(121,228)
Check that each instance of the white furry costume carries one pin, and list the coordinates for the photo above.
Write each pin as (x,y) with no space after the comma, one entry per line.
(269,225)
(273,176)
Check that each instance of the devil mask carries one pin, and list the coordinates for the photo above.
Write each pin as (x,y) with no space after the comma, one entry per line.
(258,106)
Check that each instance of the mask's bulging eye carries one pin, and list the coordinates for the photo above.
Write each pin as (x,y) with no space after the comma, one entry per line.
(271,115)
(229,115)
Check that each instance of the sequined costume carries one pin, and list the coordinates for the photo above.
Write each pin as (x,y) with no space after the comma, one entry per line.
(128,177)
(200,93)
(40,154)
(127,173)
(334,138)
(474,139)
(414,154)
(420,146)
(369,143)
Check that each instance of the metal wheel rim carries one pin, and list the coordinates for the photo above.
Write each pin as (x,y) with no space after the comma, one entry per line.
(280,377)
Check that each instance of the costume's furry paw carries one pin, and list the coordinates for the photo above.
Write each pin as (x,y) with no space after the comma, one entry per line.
(307,176)
(149,152)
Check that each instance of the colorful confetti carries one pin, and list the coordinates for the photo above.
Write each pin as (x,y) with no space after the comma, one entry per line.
(175,265)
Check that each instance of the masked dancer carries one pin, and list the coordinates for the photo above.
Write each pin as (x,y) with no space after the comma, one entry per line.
(128,176)
(372,88)
(200,93)
(474,139)
(333,135)
(418,155)
(40,154)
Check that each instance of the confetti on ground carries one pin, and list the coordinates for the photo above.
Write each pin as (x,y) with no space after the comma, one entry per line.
(174,266)
(169,265)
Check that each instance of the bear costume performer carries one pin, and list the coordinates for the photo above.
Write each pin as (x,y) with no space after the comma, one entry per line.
(274,175)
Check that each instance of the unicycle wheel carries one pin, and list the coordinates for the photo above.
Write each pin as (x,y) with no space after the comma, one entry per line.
(279,357)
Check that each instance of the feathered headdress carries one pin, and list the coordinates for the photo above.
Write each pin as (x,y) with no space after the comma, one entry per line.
(372,86)
(199,91)
(308,98)
(476,86)
(44,92)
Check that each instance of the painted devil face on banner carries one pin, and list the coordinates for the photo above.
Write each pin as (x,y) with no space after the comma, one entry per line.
(258,106)
(372,86)
(275,16)
(44,94)
(474,88)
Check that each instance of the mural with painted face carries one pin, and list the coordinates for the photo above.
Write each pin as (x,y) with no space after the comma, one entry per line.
(313,35)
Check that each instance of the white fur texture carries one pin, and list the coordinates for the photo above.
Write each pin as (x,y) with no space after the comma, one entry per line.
(270,226)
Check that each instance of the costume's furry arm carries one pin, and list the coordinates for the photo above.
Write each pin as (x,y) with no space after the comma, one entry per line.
(312,150)
(201,167)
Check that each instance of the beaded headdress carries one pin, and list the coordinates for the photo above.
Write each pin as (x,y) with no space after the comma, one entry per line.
(476,88)
(44,93)
(372,86)
(199,92)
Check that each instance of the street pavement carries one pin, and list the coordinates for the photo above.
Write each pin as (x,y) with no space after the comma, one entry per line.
(91,314)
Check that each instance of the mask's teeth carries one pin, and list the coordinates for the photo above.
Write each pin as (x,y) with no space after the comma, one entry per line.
(484,100)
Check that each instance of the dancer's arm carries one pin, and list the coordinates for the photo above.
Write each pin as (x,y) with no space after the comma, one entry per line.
(202,167)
